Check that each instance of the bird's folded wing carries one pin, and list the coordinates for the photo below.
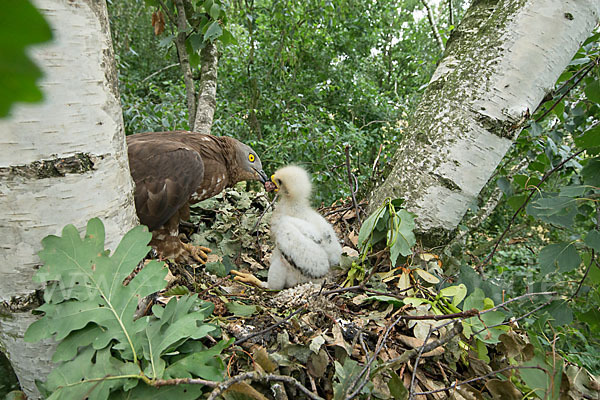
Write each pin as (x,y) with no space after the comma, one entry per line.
(165,173)
(300,244)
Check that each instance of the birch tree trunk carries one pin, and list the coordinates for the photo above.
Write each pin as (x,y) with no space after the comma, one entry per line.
(63,161)
(498,65)
(207,95)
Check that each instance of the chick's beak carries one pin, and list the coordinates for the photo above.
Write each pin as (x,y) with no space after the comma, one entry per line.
(276,186)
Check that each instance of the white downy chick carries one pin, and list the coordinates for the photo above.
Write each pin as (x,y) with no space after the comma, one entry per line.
(306,244)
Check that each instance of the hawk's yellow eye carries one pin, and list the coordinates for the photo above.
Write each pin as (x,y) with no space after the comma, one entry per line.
(251,157)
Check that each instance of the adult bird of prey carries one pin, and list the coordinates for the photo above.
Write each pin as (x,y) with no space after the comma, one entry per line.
(172,170)
(306,245)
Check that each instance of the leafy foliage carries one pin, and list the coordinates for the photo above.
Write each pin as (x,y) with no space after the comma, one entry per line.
(395,226)
(559,186)
(91,313)
(21,25)
(302,80)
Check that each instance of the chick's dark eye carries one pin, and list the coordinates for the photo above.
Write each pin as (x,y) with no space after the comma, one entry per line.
(251,157)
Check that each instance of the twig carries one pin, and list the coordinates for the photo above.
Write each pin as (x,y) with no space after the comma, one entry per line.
(254,228)
(382,339)
(254,376)
(376,161)
(456,385)
(587,271)
(351,181)
(592,64)
(512,321)
(409,354)
(159,71)
(365,289)
(514,217)
(523,296)
(182,381)
(264,212)
(270,328)
(464,314)
(373,122)
(411,395)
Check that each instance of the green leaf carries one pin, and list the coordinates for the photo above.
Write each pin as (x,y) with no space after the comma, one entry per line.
(85,376)
(171,325)
(591,172)
(562,255)
(426,276)
(535,379)
(456,292)
(554,209)
(589,139)
(526,180)
(505,186)
(574,191)
(241,310)
(560,312)
(344,376)
(516,202)
(228,38)
(215,10)
(21,25)
(203,364)
(67,349)
(91,283)
(592,239)
(482,322)
(592,91)
(592,318)
(404,238)
(473,282)
(397,388)
(178,290)
(91,309)
(367,228)
(214,31)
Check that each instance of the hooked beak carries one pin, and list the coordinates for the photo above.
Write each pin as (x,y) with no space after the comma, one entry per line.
(262,177)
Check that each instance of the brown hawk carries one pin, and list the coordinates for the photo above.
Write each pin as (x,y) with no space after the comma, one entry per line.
(172,170)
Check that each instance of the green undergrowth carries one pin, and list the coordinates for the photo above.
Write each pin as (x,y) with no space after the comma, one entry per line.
(103,351)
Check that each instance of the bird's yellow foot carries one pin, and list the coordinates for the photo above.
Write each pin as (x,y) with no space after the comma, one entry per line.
(195,253)
(248,278)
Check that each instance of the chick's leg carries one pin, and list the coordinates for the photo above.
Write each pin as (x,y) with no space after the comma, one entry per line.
(248,278)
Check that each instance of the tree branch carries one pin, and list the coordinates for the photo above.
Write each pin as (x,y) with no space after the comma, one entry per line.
(352,181)
(254,376)
(514,217)
(456,385)
(434,29)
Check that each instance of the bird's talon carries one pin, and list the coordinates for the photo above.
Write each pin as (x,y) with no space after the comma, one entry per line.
(197,253)
(247,278)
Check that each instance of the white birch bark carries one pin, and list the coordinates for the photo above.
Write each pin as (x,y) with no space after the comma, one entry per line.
(62,161)
(207,95)
(498,65)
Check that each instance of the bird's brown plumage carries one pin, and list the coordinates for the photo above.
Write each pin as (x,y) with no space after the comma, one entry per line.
(173,169)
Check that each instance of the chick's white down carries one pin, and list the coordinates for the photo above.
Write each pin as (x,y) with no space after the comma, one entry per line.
(306,244)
